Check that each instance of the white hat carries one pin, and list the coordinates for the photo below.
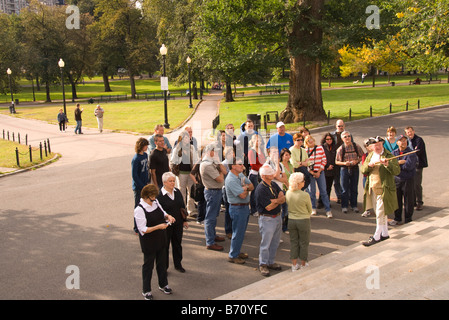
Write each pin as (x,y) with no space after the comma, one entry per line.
(280,124)
(266,170)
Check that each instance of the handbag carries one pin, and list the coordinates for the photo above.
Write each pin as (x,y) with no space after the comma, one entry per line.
(175,169)
(183,214)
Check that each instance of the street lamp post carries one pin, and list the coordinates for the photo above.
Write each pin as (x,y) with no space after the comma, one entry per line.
(11,108)
(190,88)
(163,51)
(61,65)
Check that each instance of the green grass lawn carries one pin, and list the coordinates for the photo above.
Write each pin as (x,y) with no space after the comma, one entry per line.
(339,101)
(8,155)
(133,116)
(88,89)
(141,116)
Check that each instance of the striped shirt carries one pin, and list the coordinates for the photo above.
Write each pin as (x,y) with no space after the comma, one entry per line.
(317,157)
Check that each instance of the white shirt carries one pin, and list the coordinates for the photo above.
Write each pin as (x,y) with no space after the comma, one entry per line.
(139,214)
(165,191)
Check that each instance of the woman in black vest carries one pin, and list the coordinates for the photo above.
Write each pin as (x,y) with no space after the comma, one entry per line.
(151,222)
(171,200)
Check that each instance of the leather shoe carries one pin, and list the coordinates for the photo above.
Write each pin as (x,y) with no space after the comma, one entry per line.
(219,239)
(215,247)
(180,269)
(371,241)
(236,260)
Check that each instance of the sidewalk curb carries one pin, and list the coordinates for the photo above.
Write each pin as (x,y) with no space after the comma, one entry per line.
(55,158)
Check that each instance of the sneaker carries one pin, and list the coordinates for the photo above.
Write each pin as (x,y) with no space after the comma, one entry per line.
(166,289)
(393,223)
(236,260)
(264,270)
(329,214)
(295,267)
(313,212)
(147,296)
(370,241)
(356,210)
(344,210)
(243,255)
(366,214)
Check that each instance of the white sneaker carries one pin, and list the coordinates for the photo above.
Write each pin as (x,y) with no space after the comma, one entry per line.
(393,223)
(366,214)
(329,214)
(296,267)
(313,212)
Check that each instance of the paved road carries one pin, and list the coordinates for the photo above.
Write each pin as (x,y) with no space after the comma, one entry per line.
(78,212)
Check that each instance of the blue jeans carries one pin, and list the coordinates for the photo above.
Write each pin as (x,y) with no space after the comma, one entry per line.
(270,230)
(311,190)
(239,216)
(78,126)
(213,203)
(349,179)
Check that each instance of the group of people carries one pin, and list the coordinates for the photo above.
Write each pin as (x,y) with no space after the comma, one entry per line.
(275,180)
(63,120)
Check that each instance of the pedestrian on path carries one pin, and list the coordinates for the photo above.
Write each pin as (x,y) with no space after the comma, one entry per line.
(62,120)
(78,119)
(99,111)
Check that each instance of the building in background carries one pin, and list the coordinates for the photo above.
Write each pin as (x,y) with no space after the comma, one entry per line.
(14,6)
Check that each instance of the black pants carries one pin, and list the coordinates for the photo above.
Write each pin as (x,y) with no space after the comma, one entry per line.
(161,268)
(174,237)
(405,191)
(62,126)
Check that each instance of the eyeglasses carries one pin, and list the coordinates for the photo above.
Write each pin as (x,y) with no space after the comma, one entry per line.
(299,140)
(340,126)
(346,137)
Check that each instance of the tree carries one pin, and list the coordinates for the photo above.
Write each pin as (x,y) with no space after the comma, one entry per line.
(382,55)
(304,42)
(424,32)
(11,52)
(121,26)
(43,40)
(236,41)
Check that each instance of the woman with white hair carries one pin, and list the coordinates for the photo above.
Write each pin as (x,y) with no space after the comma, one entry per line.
(171,200)
(299,211)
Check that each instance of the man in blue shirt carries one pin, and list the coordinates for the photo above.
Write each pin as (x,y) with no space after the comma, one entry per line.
(281,139)
(238,188)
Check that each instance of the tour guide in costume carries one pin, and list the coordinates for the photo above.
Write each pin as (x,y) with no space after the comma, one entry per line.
(380,188)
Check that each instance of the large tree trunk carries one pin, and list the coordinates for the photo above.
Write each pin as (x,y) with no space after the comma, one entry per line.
(305,100)
(107,87)
(133,86)
(229,97)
